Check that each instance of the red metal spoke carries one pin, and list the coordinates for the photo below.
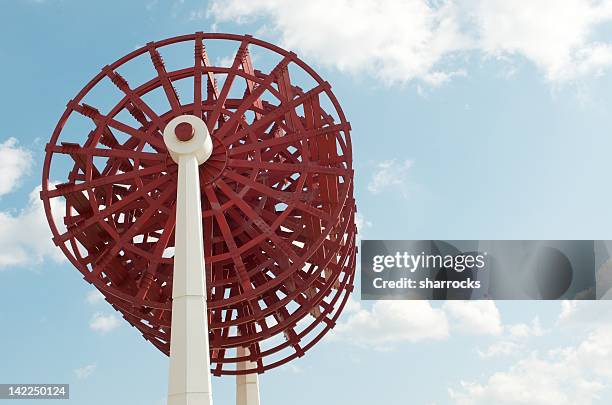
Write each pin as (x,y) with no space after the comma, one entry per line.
(97,117)
(121,178)
(258,221)
(160,67)
(229,80)
(100,215)
(212,88)
(197,74)
(290,168)
(277,112)
(137,113)
(121,242)
(279,195)
(288,138)
(156,142)
(285,89)
(253,99)
(247,67)
(139,107)
(201,61)
(69,149)
(243,275)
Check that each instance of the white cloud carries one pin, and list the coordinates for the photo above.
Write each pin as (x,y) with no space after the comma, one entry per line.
(519,330)
(581,315)
(85,372)
(15,162)
(436,79)
(500,349)
(25,238)
(514,336)
(568,309)
(362,225)
(523,330)
(373,36)
(293,368)
(225,61)
(568,375)
(400,41)
(94,296)
(392,175)
(391,322)
(558,36)
(351,306)
(103,323)
(475,317)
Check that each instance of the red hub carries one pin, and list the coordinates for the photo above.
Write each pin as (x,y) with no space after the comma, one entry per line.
(184,131)
(277,195)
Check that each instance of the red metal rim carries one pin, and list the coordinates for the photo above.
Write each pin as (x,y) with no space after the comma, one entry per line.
(278,207)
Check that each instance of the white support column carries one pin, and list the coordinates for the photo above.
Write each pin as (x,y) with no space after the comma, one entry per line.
(247,385)
(189,144)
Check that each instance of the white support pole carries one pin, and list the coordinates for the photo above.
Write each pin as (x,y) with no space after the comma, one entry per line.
(247,385)
(189,144)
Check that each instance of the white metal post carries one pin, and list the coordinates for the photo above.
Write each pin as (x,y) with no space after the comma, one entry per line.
(247,385)
(190,145)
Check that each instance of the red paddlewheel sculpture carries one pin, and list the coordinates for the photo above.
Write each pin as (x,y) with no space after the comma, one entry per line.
(277,195)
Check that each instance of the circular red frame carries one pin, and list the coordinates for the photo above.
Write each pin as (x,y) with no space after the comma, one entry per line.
(277,201)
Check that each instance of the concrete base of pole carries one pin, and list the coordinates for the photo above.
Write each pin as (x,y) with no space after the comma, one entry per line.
(247,385)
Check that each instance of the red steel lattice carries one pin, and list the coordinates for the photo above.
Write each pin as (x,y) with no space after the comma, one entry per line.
(277,198)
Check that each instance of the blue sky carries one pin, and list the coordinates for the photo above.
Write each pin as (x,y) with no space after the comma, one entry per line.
(477,120)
